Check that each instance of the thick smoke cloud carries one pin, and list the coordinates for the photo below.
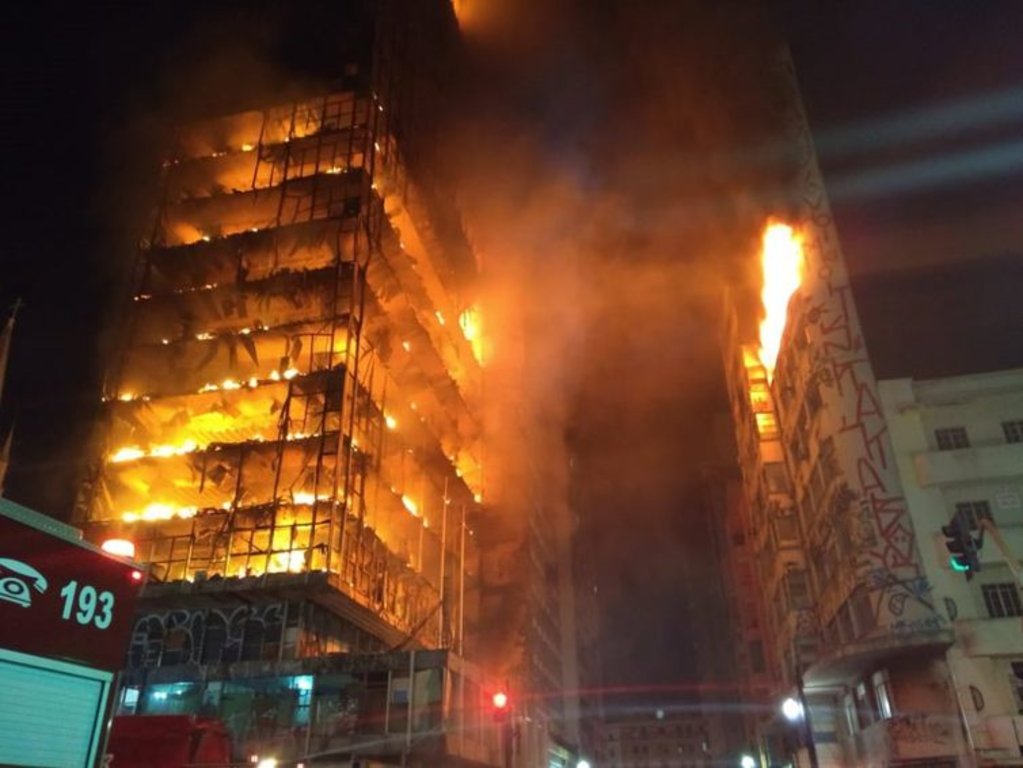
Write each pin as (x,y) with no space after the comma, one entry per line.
(591,143)
(605,183)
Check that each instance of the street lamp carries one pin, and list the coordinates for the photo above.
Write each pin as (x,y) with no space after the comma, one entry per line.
(792,709)
(747,761)
(583,763)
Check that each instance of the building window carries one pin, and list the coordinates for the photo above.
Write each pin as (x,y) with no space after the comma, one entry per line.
(974,512)
(776,477)
(798,588)
(951,438)
(1002,600)
(767,426)
(883,694)
(1013,431)
(851,720)
(864,710)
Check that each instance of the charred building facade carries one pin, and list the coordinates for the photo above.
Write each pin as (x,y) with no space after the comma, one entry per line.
(293,439)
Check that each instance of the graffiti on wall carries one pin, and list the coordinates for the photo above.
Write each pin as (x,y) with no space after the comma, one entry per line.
(207,636)
(882,550)
(920,728)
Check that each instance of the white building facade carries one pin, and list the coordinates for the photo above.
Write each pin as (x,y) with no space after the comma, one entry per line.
(958,445)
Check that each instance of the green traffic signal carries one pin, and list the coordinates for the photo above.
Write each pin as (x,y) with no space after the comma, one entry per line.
(961,546)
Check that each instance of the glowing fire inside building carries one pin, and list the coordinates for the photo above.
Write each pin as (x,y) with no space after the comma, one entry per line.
(782,264)
(292,442)
(781,260)
(291,398)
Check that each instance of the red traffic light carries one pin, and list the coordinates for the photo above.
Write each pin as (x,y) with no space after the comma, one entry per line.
(500,700)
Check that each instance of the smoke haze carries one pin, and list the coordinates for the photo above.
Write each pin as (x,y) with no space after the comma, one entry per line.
(600,190)
(612,171)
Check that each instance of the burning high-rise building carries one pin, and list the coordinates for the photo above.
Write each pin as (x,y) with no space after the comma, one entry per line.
(882,654)
(294,434)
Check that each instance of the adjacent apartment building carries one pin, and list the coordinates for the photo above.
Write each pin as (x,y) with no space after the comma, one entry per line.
(890,657)
(958,443)
(293,437)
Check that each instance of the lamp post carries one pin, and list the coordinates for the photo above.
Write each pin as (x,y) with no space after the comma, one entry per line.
(795,710)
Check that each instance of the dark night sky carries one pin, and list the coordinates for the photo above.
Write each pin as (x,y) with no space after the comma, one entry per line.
(84,83)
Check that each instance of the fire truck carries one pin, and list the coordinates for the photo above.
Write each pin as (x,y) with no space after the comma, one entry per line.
(167,741)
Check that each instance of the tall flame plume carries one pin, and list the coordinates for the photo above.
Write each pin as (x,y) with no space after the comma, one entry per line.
(781,259)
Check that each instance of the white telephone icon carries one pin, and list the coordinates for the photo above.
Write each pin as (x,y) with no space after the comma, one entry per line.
(15,579)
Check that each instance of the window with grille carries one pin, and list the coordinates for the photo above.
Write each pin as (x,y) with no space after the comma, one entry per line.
(951,438)
(974,512)
(1013,431)
(1002,600)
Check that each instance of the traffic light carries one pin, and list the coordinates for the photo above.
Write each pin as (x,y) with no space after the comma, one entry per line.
(500,702)
(962,547)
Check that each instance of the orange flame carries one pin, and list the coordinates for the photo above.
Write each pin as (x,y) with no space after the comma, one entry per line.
(782,262)
(471,321)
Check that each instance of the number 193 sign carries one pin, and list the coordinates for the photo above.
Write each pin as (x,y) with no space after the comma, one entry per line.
(62,599)
(96,608)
